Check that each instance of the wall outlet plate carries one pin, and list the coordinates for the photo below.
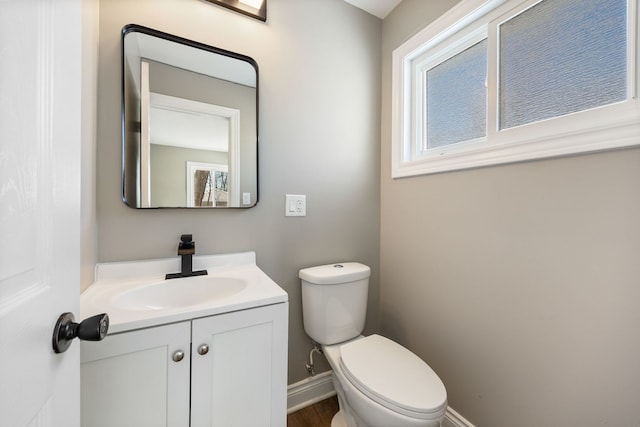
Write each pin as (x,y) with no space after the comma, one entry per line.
(295,205)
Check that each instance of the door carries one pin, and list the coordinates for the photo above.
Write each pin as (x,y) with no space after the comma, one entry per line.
(239,368)
(138,379)
(40,126)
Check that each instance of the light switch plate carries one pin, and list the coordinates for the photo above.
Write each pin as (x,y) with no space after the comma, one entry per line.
(295,205)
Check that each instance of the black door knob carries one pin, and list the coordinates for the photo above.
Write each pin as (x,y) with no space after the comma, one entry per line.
(93,328)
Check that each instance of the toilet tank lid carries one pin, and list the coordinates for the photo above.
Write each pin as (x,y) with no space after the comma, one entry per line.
(332,274)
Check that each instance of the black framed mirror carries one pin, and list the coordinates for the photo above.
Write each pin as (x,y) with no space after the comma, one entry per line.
(189,123)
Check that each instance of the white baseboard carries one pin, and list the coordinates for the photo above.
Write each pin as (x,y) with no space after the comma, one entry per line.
(309,391)
(319,387)
(454,419)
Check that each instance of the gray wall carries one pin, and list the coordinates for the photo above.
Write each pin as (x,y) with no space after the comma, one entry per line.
(519,284)
(319,112)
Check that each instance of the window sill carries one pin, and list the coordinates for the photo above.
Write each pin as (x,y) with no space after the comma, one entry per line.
(481,154)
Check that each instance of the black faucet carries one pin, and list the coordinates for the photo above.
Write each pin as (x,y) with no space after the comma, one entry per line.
(186,249)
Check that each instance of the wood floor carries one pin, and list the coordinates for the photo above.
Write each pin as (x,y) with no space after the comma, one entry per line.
(316,415)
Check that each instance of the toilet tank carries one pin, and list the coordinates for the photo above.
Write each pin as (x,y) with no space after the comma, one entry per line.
(334,301)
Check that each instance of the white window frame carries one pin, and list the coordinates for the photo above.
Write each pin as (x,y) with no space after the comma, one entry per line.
(603,128)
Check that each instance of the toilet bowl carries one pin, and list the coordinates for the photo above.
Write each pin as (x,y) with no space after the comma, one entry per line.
(379,383)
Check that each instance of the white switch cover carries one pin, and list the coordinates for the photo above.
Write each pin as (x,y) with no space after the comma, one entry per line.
(246,198)
(295,205)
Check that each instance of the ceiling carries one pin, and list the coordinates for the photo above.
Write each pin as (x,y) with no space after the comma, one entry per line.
(379,8)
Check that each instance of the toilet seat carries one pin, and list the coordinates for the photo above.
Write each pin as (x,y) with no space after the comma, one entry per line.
(393,376)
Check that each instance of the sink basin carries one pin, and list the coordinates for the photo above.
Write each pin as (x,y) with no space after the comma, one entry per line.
(136,295)
(178,293)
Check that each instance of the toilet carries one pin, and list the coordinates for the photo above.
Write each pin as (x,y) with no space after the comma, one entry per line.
(379,383)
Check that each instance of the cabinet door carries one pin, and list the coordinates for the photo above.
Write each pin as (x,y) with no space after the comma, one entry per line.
(242,380)
(131,380)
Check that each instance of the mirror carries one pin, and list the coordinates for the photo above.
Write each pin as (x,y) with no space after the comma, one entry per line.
(189,123)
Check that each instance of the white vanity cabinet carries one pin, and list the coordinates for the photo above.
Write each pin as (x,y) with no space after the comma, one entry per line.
(233,372)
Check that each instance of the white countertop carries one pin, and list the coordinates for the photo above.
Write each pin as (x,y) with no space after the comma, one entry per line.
(117,278)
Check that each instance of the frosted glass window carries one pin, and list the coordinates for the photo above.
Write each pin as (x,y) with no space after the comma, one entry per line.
(561,57)
(457,98)
(553,78)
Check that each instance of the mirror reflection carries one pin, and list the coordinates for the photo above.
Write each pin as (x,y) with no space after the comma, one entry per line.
(189,123)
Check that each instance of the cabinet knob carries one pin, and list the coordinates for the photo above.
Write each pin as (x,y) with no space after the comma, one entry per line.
(203,349)
(178,356)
